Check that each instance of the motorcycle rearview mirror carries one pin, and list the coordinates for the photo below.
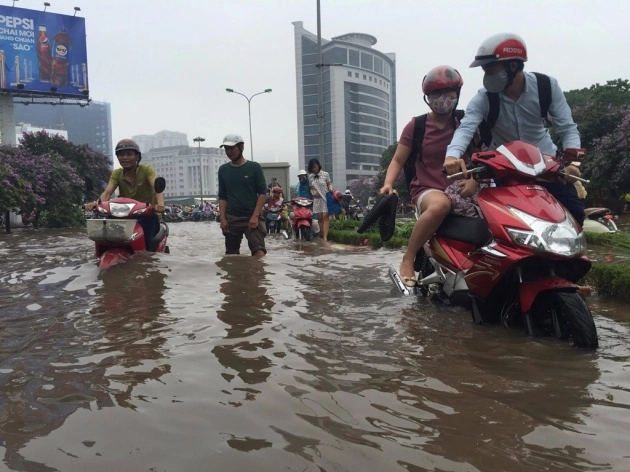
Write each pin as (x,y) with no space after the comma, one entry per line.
(159,185)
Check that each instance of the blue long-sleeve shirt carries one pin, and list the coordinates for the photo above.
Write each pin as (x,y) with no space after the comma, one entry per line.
(518,120)
(304,189)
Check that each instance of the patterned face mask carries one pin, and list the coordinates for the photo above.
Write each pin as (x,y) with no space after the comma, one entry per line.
(442,105)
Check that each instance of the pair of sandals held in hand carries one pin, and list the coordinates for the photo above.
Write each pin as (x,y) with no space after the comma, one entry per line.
(384,210)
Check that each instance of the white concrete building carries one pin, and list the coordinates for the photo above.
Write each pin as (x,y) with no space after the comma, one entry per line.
(22,128)
(185,175)
(161,139)
(359,103)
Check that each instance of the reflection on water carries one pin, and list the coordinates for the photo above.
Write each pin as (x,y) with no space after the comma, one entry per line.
(306,360)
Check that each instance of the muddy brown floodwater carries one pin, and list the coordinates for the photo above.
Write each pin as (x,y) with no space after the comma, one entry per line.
(307,360)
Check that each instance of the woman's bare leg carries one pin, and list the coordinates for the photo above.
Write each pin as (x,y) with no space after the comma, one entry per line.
(435,207)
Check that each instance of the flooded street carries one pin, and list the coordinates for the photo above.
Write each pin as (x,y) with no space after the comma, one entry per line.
(306,360)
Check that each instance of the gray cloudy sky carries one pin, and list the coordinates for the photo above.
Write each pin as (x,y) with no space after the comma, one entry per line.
(165,64)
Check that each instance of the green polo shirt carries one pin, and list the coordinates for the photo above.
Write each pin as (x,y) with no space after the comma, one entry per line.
(241,186)
(141,189)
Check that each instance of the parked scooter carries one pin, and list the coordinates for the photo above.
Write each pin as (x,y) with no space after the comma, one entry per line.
(599,220)
(519,264)
(355,212)
(119,234)
(302,218)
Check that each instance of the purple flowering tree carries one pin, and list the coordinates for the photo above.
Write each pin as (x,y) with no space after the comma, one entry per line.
(608,164)
(46,176)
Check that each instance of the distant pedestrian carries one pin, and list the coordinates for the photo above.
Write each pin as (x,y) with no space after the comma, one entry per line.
(273,184)
(319,181)
(241,198)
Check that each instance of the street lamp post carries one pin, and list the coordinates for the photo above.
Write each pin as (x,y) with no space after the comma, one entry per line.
(320,84)
(200,140)
(249,107)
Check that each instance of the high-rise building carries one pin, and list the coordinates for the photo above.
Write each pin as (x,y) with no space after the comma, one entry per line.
(90,125)
(359,103)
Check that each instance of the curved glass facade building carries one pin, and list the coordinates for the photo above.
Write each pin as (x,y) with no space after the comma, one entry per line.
(359,103)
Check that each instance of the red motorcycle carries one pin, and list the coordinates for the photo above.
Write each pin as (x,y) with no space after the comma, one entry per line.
(117,232)
(302,210)
(519,264)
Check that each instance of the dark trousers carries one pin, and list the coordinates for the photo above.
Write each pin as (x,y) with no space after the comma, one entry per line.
(567,195)
(150,226)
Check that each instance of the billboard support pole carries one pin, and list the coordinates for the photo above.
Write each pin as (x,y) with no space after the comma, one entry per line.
(7,120)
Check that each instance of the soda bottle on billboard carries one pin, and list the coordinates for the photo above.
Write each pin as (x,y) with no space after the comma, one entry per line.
(44,55)
(61,58)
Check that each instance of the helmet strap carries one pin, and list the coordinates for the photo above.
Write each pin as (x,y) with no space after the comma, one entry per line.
(511,75)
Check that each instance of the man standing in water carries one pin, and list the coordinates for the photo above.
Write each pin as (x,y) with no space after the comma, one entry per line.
(242,194)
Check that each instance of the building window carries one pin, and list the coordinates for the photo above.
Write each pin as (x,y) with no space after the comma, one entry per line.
(353,57)
(349,73)
(356,75)
(367,61)
(378,65)
(364,77)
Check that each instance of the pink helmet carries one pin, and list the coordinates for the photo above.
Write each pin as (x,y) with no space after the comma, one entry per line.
(276,190)
(500,47)
(442,77)
(338,196)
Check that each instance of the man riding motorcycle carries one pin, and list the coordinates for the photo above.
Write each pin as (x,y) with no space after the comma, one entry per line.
(137,181)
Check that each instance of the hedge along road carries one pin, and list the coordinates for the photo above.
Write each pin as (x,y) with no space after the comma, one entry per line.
(305,360)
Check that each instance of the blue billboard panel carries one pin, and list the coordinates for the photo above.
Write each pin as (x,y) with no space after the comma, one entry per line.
(42,54)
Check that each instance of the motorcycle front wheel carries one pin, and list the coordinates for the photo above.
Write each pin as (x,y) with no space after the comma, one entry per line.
(305,233)
(568,316)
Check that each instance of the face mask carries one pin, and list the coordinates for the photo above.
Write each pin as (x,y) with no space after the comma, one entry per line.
(442,105)
(495,83)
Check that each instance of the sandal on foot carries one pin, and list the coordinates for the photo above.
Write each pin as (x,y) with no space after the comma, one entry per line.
(408,281)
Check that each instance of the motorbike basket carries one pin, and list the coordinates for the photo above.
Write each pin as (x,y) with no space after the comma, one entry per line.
(111,230)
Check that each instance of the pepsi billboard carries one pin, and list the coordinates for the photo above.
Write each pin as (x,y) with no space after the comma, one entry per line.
(42,54)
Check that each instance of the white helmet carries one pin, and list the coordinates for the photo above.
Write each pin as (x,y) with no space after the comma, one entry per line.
(500,47)
(232,140)
(302,172)
(348,192)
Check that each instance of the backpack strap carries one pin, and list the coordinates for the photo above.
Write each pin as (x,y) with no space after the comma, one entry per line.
(409,168)
(544,93)
(544,101)
(485,127)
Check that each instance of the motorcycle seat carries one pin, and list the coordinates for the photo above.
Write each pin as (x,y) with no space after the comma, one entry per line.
(464,228)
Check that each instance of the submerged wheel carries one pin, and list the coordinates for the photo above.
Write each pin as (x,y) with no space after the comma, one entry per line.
(305,233)
(566,315)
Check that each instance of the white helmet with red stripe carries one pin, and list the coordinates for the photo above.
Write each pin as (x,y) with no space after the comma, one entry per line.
(501,47)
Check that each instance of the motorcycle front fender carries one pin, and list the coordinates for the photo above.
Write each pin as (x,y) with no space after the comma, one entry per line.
(113,256)
(528,291)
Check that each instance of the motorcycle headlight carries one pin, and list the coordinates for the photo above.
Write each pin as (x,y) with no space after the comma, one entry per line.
(558,238)
(120,210)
